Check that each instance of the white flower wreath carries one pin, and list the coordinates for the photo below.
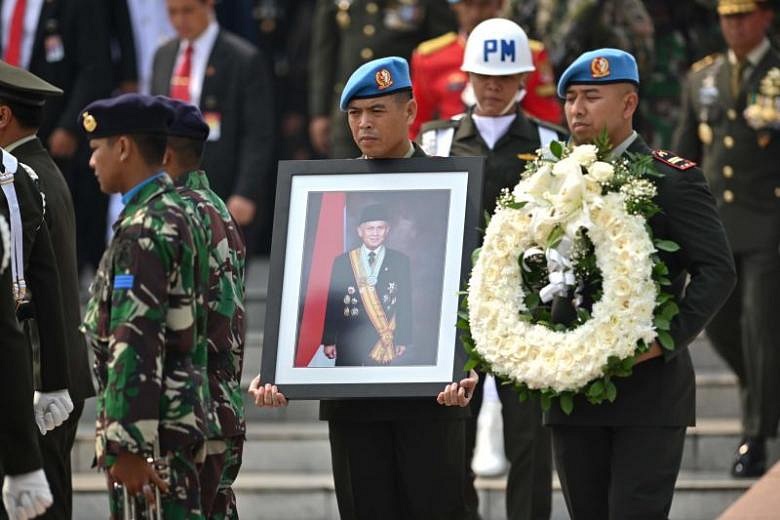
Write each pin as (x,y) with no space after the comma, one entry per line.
(560,198)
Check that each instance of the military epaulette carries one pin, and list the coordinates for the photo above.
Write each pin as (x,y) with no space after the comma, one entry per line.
(668,158)
(535,45)
(435,44)
(704,62)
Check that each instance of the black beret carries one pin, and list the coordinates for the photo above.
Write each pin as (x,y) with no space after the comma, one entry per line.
(126,114)
(374,212)
(24,87)
(187,120)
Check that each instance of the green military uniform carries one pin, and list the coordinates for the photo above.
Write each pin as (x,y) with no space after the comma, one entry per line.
(225,342)
(141,322)
(739,159)
(348,33)
(527,442)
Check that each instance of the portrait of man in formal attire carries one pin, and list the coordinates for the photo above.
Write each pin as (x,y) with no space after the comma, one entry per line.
(369,309)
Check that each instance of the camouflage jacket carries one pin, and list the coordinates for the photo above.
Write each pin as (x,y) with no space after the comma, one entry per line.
(142,325)
(225,302)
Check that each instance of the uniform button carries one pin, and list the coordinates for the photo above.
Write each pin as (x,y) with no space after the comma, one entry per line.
(777,193)
(728,141)
(366,53)
(728,172)
(369,30)
(372,8)
(728,196)
(731,114)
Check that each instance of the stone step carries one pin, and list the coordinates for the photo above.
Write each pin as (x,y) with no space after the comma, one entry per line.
(310,496)
(279,447)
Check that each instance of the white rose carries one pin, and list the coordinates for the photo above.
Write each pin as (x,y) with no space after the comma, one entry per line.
(534,186)
(585,154)
(601,172)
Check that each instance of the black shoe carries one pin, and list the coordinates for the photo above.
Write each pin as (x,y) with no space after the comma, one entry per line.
(750,460)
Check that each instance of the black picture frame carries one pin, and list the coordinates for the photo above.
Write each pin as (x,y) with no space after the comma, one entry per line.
(287,268)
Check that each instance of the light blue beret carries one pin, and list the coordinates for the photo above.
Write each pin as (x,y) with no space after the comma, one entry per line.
(376,78)
(600,67)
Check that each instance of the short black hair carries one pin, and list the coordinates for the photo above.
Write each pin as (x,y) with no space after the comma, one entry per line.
(150,146)
(28,116)
(403,96)
(189,151)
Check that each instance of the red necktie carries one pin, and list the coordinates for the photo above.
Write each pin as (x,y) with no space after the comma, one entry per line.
(13,51)
(180,82)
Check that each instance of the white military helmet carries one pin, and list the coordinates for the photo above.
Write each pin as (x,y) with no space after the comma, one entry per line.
(497,47)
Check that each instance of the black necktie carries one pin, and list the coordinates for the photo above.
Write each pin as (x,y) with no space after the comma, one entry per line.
(371,259)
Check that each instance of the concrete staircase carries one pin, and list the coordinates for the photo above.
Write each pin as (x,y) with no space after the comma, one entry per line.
(286,468)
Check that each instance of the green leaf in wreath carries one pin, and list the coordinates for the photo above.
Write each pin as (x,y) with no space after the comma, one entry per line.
(532,301)
(516,205)
(666,340)
(556,147)
(670,310)
(611,391)
(661,323)
(545,400)
(555,237)
(475,255)
(567,403)
(667,245)
(596,389)
(471,364)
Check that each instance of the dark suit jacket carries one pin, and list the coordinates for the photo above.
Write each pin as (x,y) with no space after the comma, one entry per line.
(747,169)
(43,281)
(60,219)
(19,452)
(346,323)
(238,89)
(662,391)
(83,70)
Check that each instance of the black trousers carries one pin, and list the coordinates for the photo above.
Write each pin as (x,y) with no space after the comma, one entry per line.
(746,333)
(55,450)
(618,473)
(528,448)
(398,470)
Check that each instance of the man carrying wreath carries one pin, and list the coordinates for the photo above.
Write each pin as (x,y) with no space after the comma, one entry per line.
(369,310)
(620,459)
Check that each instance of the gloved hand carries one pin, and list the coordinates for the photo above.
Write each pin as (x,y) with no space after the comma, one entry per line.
(27,495)
(51,409)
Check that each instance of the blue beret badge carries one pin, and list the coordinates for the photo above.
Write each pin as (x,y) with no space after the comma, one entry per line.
(599,67)
(383,79)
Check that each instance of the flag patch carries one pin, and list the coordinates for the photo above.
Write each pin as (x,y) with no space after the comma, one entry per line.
(123,281)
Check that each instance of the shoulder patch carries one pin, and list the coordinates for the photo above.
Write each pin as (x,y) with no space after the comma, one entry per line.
(668,158)
(704,62)
(535,45)
(435,44)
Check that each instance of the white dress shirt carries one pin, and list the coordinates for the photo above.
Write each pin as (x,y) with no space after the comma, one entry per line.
(31,15)
(202,46)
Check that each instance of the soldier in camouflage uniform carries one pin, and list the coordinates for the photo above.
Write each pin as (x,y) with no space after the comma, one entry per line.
(224,308)
(141,320)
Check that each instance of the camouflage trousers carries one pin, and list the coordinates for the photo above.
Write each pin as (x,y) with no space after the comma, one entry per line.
(181,502)
(217,474)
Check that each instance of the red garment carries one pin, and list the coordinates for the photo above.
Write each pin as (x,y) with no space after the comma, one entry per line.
(13,51)
(438,82)
(180,81)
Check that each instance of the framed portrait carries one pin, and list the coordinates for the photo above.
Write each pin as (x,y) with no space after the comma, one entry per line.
(367,262)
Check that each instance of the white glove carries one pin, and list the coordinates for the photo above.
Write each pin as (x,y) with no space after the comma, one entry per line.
(27,495)
(51,409)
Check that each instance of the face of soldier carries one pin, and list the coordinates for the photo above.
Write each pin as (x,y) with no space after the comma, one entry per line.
(744,32)
(380,125)
(106,161)
(373,233)
(495,94)
(190,17)
(471,13)
(592,108)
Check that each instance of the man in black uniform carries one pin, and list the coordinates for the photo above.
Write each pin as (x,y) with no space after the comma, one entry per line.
(22,96)
(348,33)
(350,335)
(497,129)
(392,459)
(25,486)
(730,122)
(620,460)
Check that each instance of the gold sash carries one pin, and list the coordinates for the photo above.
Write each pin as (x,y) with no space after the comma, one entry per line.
(384,350)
